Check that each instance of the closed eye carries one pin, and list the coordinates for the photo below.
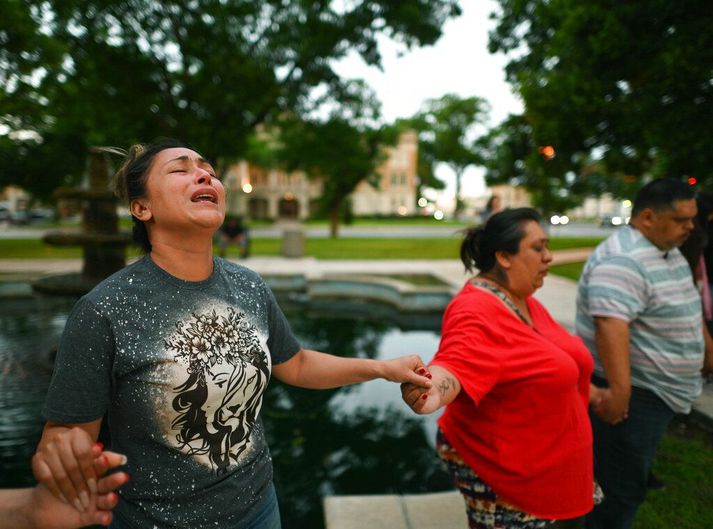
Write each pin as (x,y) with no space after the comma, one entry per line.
(220,379)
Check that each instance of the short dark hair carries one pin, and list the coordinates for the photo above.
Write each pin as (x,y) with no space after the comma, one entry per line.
(130,180)
(502,233)
(660,194)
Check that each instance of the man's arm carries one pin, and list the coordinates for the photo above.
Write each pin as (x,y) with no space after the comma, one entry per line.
(612,339)
(707,369)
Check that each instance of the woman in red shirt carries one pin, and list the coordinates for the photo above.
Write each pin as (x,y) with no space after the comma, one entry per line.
(515,433)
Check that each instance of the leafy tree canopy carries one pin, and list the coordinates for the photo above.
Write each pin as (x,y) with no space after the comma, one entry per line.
(621,89)
(341,149)
(448,133)
(513,156)
(75,73)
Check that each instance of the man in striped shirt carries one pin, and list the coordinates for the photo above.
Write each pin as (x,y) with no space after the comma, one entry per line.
(639,313)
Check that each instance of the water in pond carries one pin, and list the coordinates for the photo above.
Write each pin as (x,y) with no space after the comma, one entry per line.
(355,440)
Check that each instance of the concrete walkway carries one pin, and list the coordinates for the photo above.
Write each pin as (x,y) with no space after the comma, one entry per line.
(422,511)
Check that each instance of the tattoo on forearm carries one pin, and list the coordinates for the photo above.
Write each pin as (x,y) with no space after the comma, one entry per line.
(446,384)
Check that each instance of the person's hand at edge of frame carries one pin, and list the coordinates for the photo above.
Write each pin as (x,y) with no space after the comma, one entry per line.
(45,511)
(66,466)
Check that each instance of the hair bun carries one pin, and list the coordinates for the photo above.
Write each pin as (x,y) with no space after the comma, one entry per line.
(471,249)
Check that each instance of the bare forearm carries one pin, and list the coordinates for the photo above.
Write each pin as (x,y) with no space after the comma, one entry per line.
(446,384)
(312,369)
(315,370)
(707,368)
(15,509)
(612,338)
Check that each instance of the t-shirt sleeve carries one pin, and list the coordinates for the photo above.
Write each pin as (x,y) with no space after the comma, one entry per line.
(470,348)
(281,340)
(617,289)
(80,388)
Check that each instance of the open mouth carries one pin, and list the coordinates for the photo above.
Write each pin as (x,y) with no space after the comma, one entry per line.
(204,197)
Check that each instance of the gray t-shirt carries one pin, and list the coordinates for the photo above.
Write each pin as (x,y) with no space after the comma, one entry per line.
(179,368)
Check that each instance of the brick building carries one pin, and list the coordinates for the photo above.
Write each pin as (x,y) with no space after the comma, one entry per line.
(257,193)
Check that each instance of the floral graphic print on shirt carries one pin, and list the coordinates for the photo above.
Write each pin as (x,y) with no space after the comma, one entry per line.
(218,403)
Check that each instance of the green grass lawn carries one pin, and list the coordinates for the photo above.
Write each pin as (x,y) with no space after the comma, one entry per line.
(34,249)
(390,221)
(341,248)
(684,463)
(569,270)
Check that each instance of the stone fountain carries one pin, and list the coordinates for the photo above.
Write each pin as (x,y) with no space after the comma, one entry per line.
(103,244)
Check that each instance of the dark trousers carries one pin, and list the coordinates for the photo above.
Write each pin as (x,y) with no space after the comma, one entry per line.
(623,455)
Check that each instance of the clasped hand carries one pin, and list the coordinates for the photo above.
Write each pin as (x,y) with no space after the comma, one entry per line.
(611,407)
(70,468)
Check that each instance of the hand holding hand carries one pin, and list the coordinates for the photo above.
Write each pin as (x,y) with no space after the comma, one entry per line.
(596,395)
(613,407)
(409,369)
(48,512)
(421,400)
(66,467)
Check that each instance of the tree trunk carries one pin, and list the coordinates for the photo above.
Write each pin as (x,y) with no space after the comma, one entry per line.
(334,222)
(458,211)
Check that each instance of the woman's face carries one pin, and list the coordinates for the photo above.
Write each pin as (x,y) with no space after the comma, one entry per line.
(183,193)
(220,392)
(527,269)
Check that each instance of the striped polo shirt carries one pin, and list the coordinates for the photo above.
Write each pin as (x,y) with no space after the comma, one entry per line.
(629,278)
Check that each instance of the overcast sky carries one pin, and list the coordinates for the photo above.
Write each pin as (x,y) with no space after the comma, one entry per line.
(458,63)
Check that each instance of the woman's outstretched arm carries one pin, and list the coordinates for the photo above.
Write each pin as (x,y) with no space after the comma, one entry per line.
(315,370)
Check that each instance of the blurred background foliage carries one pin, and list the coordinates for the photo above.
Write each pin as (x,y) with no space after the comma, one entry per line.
(614,92)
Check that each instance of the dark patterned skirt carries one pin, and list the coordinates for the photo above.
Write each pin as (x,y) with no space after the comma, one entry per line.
(485,510)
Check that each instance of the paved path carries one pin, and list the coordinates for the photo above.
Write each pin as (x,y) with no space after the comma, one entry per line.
(277,230)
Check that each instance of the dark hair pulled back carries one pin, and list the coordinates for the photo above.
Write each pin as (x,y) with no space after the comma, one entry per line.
(501,233)
(129,182)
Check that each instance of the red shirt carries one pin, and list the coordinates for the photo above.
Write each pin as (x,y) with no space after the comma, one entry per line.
(520,421)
